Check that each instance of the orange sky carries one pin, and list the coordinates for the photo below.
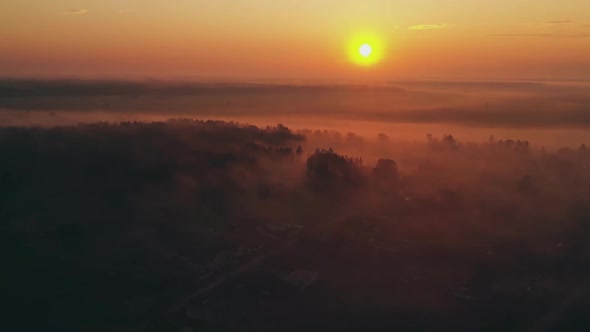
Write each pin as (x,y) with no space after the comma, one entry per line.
(291,39)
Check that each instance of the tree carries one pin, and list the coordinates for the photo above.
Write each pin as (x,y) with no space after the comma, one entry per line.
(509,144)
(382,138)
(385,170)
(354,139)
(299,150)
(449,139)
(327,169)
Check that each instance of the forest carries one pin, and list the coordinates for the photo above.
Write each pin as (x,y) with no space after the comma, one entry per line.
(190,225)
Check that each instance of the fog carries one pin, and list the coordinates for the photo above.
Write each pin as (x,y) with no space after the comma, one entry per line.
(414,206)
(553,114)
(125,222)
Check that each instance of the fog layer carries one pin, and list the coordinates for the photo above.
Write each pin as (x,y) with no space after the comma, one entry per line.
(199,225)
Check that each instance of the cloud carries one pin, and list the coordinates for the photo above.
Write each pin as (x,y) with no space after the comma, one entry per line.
(522,35)
(557,23)
(76,12)
(428,26)
(560,22)
(546,35)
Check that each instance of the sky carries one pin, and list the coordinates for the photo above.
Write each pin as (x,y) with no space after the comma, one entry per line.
(295,39)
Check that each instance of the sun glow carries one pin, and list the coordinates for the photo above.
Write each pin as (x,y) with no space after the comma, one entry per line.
(365,50)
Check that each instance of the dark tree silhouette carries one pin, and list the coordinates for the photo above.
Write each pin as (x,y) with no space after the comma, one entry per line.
(386,169)
(327,169)
(382,138)
(385,175)
(509,144)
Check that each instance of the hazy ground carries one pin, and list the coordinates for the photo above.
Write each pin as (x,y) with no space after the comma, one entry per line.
(213,226)
(552,114)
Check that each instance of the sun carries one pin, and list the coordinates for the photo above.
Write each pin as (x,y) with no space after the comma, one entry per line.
(365,50)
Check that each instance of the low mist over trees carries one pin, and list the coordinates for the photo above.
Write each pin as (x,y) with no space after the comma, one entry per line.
(117,221)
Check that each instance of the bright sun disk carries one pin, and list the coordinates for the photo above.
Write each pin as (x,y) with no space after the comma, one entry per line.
(365,50)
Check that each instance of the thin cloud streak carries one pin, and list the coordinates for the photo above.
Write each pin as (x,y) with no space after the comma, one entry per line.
(428,26)
(76,12)
(545,35)
(560,22)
